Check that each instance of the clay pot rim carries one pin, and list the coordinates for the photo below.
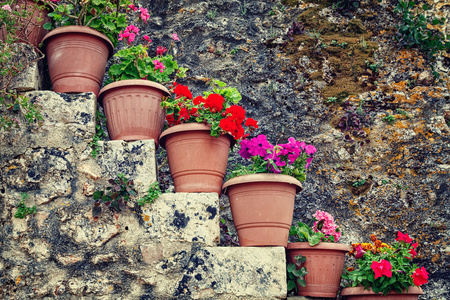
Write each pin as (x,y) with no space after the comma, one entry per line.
(130,82)
(188,127)
(322,246)
(81,30)
(262,177)
(359,290)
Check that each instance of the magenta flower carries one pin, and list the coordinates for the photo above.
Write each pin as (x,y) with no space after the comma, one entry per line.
(144,14)
(259,146)
(175,37)
(130,33)
(382,268)
(132,7)
(147,39)
(245,146)
(159,65)
(310,149)
(359,251)
(160,50)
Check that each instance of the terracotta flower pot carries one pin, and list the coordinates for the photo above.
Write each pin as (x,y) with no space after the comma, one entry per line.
(197,160)
(262,206)
(31,29)
(133,109)
(359,293)
(77,57)
(324,263)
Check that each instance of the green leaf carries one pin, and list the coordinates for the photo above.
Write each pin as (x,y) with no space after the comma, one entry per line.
(291,267)
(291,285)
(302,282)
(47,26)
(97,195)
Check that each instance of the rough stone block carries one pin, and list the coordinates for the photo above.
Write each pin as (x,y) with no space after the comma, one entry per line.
(187,217)
(69,121)
(233,273)
(32,76)
(136,160)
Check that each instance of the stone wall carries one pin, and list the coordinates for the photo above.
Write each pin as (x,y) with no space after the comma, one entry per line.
(161,251)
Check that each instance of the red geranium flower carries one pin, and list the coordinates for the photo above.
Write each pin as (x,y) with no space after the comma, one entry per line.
(182,91)
(197,100)
(214,102)
(251,123)
(382,268)
(420,276)
(237,113)
(184,114)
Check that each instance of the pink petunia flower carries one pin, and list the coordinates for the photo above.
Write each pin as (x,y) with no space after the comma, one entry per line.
(420,276)
(382,268)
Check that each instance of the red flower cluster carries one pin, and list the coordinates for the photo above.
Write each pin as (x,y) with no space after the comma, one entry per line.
(182,91)
(213,110)
(233,122)
(214,102)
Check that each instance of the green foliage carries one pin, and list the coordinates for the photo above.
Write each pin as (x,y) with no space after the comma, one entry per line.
(134,63)
(99,135)
(13,62)
(332,100)
(153,193)
(296,273)
(115,196)
(359,183)
(304,233)
(374,67)
(12,105)
(414,30)
(404,113)
(346,5)
(389,119)
(22,210)
(278,8)
(211,14)
(105,16)
(234,51)
(342,45)
(243,8)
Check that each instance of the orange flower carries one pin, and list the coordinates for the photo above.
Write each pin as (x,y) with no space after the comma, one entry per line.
(378,244)
(350,269)
(373,238)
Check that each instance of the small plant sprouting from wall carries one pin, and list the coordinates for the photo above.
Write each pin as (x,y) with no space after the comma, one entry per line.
(22,209)
(389,119)
(115,196)
(295,275)
(353,121)
(152,194)
(416,30)
(100,134)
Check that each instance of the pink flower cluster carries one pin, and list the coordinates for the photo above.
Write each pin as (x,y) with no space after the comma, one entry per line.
(7,7)
(129,34)
(144,12)
(325,224)
(280,154)
(160,50)
(159,65)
